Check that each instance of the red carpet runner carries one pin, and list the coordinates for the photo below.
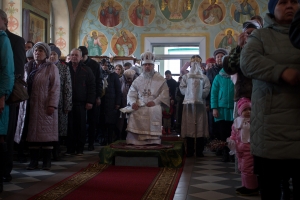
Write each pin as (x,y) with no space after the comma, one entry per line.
(115,183)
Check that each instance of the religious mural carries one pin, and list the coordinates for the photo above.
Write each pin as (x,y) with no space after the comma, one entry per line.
(243,10)
(176,10)
(227,39)
(96,43)
(141,13)
(123,43)
(109,13)
(13,22)
(212,11)
(123,22)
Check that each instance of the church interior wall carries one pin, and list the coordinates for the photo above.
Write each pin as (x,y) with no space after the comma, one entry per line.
(80,22)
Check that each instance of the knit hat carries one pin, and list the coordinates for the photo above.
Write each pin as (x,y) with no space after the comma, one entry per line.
(271,6)
(220,50)
(43,45)
(242,104)
(129,73)
(29,53)
(210,60)
(251,24)
(147,58)
(56,50)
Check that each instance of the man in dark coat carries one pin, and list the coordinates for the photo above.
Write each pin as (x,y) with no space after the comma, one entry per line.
(295,30)
(19,54)
(93,114)
(172,84)
(83,98)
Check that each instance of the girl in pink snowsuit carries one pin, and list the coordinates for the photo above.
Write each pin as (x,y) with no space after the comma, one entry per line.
(240,140)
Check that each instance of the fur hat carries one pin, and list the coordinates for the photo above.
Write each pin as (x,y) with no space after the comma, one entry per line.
(220,50)
(242,104)
(44,46)
(251,24)
(56,50)
(210,60)
(129,73)
(147,58)
(29,53)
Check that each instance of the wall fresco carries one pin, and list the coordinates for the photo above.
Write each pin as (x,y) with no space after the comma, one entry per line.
(212,12)
(95,42)
(123,43)
(141,13)
(109,13)
(243,10)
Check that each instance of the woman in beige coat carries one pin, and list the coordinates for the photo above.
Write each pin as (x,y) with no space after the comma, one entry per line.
(44,90)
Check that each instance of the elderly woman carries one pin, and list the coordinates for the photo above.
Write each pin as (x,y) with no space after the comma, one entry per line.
(44,89)
(273,63)
(65,99)
(126,81)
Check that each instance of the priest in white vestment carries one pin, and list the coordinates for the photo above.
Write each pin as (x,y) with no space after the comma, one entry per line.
(146,96)
(194,126)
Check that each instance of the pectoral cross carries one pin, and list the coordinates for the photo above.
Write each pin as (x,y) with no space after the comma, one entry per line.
(147,93)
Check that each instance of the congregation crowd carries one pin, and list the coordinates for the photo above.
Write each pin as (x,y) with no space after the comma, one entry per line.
(78,101)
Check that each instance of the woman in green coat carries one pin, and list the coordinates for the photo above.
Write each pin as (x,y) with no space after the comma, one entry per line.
(273,64)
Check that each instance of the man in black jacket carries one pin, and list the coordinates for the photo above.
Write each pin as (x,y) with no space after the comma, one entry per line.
(93,114)
(83,98)
(18,48)
(295,30)
(172,84)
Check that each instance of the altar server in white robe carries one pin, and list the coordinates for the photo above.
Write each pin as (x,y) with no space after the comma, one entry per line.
(194,127)
(146,96)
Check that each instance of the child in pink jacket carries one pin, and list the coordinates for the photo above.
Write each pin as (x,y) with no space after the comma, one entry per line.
(240,142)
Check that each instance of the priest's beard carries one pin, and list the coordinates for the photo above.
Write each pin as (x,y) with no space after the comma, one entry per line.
(148,74)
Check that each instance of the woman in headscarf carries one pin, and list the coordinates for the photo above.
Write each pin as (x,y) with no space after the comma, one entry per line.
(110,103)
(44,90)
(126,80)
(65,99)
(273,64)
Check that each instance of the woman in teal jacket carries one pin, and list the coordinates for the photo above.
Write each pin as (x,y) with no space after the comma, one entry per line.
(221,100)
(6,85)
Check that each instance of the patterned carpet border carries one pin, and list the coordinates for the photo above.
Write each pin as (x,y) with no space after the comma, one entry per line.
(69,184)
(164,185)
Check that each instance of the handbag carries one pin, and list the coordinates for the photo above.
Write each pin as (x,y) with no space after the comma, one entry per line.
(19,92)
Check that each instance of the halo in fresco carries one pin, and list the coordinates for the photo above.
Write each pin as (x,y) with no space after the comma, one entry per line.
(96,43)
(176,10)
(227,39)
(212,12)
(109,13)
(141,12)
(123,43)
(243,10)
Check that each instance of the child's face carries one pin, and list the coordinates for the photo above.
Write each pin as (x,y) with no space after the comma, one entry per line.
(246,113)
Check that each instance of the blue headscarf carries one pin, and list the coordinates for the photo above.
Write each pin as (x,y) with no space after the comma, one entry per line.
(272,4)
